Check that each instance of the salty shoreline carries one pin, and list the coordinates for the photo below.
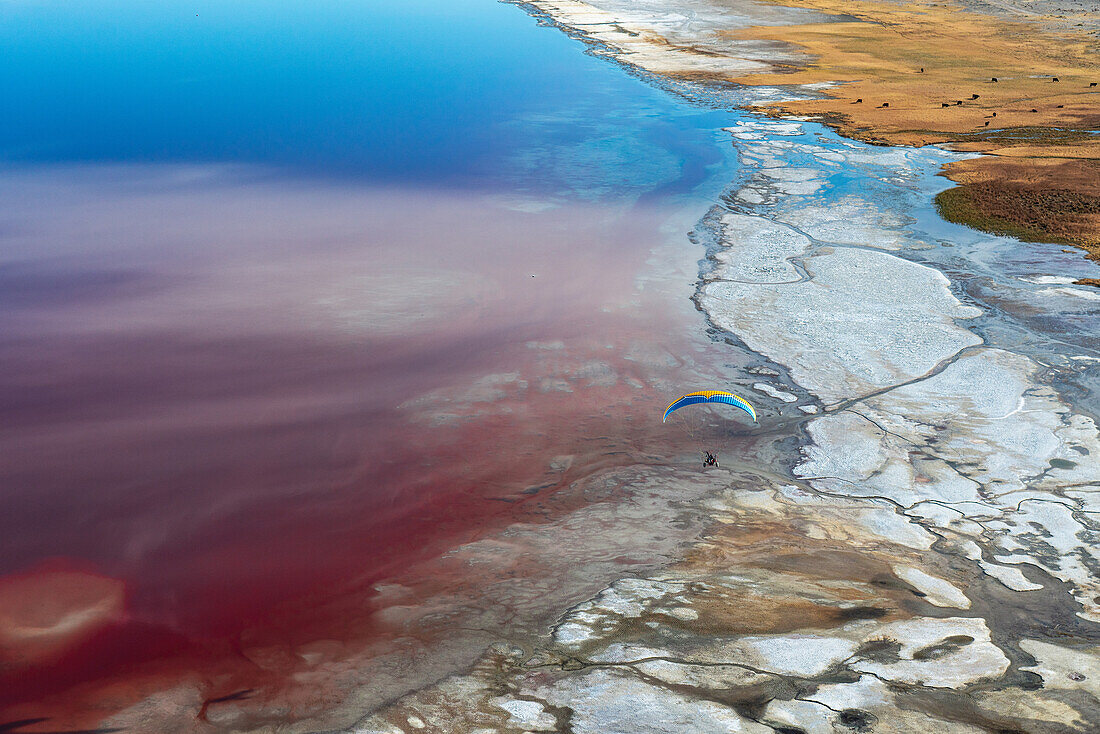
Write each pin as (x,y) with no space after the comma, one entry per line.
(928,561)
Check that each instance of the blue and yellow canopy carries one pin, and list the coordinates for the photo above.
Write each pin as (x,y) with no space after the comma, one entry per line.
(710,396)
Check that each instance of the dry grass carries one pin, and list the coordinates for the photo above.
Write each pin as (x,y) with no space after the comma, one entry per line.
(879,59)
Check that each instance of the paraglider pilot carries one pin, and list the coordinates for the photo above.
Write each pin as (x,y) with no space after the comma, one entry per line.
(709,396)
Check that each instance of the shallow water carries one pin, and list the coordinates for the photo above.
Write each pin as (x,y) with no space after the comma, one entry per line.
(295,300)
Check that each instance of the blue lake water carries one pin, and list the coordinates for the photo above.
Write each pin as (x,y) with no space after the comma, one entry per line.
(458,93)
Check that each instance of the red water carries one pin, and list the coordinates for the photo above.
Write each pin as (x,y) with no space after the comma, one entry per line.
(214,428)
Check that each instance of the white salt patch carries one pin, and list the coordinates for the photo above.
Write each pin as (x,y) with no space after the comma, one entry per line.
(971,549)
(799,654)
(936,590)
(892,527)
(613,702)
(1063,667)
(805,716)
(625,652)
(1010,576)
(686,614)
(528,714)
(867,692)
(700,676)
(767,389)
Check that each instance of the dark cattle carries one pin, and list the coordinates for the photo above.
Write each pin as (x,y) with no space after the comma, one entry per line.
(858,101)
(1034,110)
(958,101)
(944,104)
(1092,84)
(974,96)
(994,114)
(1054,79)
(987,123)
(993,79)
(884,104)
(1061,106)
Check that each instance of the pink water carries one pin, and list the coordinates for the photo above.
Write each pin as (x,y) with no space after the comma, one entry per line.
(218,427)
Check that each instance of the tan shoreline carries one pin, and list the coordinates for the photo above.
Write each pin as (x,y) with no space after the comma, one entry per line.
(925,74)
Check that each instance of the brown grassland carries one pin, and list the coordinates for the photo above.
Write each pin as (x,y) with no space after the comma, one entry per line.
(1040,179)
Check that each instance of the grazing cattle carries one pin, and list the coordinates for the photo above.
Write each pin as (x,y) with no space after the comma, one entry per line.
(958,102)
(987,123)
(884,104)
(1092,84)
(1054,79)
(944,104)
(974,96)
(1034,110)
(858,101)
(1061,106)
(993,79)
(994,114)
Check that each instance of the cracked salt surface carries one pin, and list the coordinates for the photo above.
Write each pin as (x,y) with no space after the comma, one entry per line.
(948,436)
(945,433)
(992,445)
(801,655)
(766,257)
(611,702)
(850,221)
(625,599)
(862,322)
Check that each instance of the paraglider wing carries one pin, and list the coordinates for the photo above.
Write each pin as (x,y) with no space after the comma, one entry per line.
(710,396)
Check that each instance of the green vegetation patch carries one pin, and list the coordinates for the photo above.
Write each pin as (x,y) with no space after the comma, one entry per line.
(1011,136)
(1059,216)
